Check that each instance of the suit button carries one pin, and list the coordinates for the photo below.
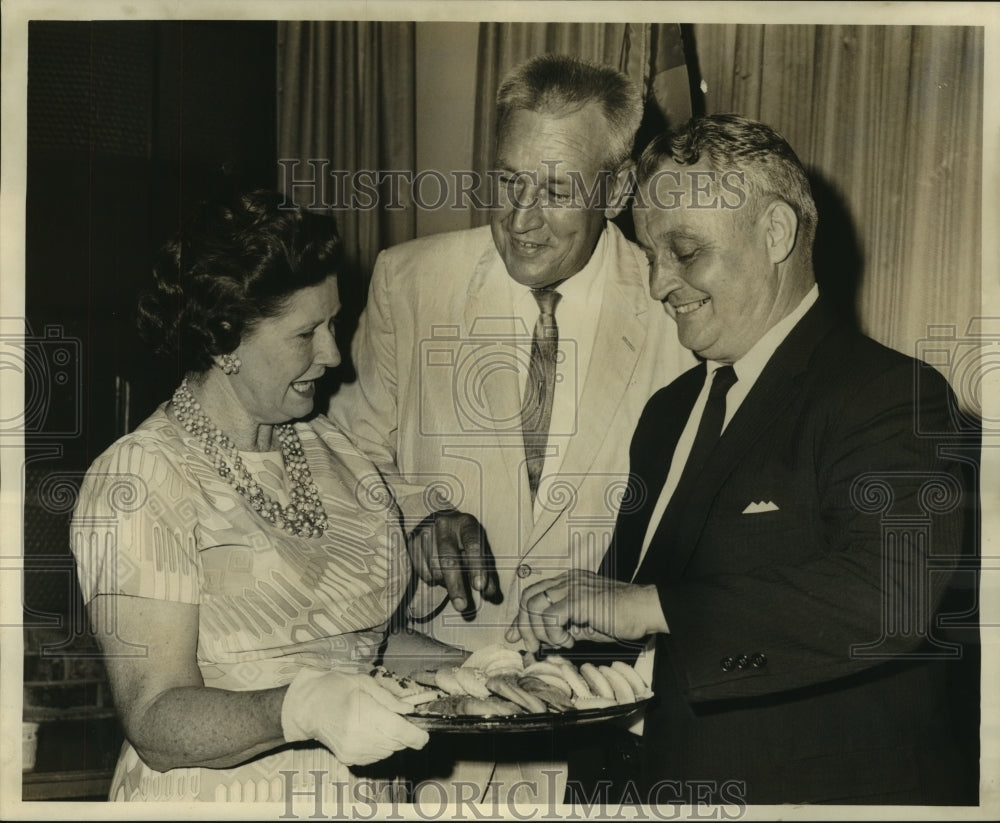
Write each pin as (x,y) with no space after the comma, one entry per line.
(759,660)
(524,570)
(727,664)
(742,661)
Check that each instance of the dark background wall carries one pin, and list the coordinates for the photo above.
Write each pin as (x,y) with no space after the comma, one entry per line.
(129,123)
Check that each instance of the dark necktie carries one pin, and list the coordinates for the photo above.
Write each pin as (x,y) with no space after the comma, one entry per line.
(536,406)
(621,561)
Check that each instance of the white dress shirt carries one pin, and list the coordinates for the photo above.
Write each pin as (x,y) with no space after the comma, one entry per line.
(748,368)
(576,314)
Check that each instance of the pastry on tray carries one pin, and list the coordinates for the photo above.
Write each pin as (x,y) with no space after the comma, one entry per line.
(495,681)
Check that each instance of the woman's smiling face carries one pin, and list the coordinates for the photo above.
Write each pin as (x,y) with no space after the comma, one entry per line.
(283,356)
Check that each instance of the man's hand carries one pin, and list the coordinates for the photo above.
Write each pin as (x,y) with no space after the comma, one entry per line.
(450,549)
(582,605)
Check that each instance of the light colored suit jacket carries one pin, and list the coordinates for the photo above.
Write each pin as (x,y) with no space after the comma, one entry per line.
(436,406)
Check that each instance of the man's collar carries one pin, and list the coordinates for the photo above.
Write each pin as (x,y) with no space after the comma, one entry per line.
(578,288)
(753,362)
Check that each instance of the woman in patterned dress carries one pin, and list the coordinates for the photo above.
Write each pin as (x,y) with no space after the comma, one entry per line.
(240,560)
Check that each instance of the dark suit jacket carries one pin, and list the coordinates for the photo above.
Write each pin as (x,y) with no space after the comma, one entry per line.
(791,671)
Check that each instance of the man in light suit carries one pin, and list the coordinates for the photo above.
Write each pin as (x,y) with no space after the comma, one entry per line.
(444,347)
(790,571)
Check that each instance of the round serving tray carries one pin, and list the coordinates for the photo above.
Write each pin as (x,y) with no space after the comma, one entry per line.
(472,724)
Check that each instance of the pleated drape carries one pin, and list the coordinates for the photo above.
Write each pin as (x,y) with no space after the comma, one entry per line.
(889,121)
(347,95)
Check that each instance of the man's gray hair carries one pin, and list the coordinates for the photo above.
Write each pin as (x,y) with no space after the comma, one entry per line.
(558,84)
(729,142)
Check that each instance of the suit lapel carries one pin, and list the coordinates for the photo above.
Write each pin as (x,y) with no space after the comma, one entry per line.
(652,451)
(489,316)
(618,342)
(774,389)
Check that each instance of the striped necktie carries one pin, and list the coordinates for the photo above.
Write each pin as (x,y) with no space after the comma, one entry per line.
(536,405)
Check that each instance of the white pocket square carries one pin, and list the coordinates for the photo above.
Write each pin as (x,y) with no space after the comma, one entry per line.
(763,506)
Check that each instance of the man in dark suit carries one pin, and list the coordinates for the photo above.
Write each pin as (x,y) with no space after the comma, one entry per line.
(788,533)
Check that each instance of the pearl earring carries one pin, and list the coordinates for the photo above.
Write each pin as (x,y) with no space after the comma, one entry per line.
(230,364)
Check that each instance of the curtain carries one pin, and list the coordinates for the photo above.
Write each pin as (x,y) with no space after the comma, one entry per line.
(651,54)
(347,99)
(888,119)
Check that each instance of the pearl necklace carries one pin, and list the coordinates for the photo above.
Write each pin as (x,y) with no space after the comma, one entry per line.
(304,515)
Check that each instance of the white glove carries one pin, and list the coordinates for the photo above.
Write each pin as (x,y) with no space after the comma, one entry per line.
(350,714)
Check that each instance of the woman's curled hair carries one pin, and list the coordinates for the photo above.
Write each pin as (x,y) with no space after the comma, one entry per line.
(230,266)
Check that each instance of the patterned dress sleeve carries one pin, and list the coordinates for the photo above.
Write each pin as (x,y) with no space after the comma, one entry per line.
(128,534)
